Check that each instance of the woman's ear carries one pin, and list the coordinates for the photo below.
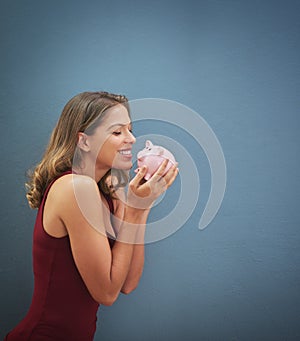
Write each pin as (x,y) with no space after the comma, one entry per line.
(83,142)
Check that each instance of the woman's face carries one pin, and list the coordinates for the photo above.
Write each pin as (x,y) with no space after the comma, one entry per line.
(111,142)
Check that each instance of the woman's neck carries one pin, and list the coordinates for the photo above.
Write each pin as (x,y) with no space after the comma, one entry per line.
(91,171)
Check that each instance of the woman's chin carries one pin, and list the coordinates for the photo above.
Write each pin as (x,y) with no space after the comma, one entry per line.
(125,167)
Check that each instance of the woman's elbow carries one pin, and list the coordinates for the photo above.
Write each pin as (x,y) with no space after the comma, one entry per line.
(107,303)
(107,300)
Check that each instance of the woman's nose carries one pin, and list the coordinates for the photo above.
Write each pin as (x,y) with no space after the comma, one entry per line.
(130,138)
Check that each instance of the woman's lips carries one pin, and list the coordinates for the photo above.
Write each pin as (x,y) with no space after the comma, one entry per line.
(126,152)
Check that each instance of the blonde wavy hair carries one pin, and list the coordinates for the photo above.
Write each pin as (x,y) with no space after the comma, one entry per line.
(83,113)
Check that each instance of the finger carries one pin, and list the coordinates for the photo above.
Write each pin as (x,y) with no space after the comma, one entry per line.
(171,175)
(164,182)
(140,175)
(160,171)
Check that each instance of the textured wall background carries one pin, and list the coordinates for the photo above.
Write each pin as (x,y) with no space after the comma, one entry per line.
(234,62)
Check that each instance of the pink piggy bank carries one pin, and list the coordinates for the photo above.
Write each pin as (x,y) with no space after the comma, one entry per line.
(152,156)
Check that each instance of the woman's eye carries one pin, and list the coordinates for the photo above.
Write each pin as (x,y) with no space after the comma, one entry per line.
(116,132)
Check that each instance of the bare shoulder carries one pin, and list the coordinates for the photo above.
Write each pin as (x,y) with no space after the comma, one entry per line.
(70,181)
(77,198)
(69,187)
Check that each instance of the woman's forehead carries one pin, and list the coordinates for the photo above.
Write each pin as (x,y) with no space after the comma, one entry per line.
(117,114)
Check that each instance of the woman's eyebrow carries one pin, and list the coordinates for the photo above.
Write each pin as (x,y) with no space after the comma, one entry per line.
(119,125)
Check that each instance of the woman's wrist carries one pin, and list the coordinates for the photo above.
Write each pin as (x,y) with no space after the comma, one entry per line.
(134,215)
(133,228)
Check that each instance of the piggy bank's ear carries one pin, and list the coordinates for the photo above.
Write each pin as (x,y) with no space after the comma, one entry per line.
(160,151)
(148,144)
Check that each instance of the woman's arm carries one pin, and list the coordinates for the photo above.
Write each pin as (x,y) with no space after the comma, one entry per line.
(80,208)
(138,259)
(154,186)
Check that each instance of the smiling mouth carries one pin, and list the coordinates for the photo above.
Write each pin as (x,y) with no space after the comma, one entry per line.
(126,152)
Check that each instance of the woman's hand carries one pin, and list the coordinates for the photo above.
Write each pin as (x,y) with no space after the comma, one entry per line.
(142,194)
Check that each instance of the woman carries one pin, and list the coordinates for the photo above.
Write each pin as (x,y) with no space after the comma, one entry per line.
(78,190)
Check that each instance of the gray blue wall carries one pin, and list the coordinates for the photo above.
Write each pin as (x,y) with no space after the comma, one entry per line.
(234,62)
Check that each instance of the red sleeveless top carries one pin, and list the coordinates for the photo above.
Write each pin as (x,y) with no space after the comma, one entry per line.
(62,308)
